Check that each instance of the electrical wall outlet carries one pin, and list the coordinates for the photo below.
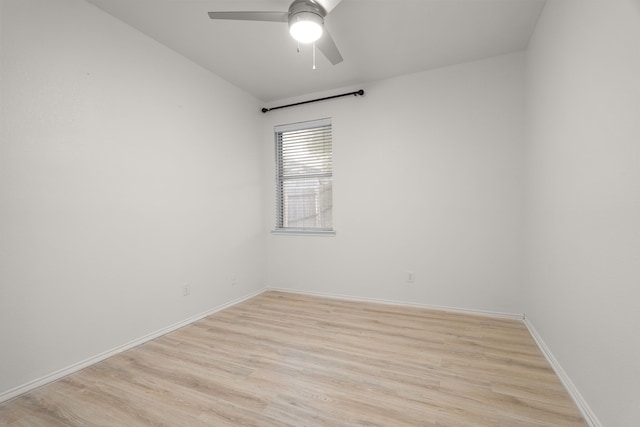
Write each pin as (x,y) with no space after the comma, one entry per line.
(186,289)
(234,279)
(411,277)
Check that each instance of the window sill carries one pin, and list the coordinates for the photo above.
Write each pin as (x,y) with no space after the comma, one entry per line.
(323,233)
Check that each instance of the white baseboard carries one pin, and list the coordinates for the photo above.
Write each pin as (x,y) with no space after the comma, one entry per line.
(14,392)
(514,316)
(587,413)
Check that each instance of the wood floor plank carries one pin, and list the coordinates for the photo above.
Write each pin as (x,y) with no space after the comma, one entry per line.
(283,359)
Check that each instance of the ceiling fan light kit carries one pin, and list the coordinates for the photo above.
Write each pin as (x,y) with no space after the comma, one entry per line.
(306,23)
(305,27)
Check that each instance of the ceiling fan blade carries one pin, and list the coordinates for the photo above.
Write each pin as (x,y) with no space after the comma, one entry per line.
(251,16)
(328,47)
(328,5)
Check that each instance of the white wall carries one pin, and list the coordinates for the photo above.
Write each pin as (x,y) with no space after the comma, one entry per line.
(125,171)
(583,293)
(428,177)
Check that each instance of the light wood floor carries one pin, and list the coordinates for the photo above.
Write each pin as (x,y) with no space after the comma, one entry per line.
(283,359)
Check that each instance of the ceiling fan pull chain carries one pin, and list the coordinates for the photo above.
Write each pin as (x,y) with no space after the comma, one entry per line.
(314,55)
(298,50)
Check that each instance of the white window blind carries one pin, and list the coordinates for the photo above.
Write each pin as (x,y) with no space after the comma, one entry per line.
(304,162)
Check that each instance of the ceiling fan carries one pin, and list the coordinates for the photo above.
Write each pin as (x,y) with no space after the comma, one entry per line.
(306,23)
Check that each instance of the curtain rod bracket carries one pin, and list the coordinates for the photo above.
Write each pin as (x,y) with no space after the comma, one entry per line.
(356,93)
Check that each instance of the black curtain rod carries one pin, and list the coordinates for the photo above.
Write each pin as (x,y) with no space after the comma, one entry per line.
(356,93)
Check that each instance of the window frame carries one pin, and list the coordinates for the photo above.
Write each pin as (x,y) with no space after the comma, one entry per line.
(280,179)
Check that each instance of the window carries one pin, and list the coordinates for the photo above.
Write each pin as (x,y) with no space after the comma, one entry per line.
(304,174)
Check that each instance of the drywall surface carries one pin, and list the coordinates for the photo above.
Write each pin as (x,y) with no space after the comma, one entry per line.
(428,178)
(583,157)
(126,172)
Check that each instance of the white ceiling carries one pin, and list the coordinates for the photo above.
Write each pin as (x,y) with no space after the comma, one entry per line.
(377,38)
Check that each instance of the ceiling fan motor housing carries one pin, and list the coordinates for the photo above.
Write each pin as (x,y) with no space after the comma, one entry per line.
(304,9)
